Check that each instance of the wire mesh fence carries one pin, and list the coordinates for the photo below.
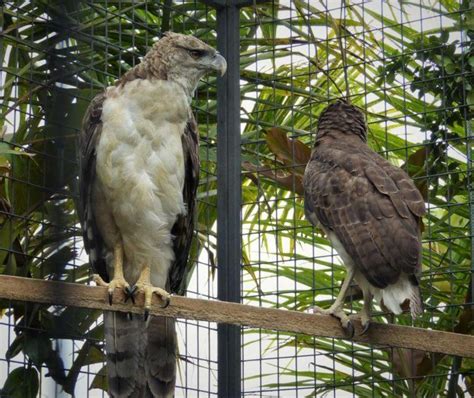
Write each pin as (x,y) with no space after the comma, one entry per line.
(409,66)
(406,65)
(56,57)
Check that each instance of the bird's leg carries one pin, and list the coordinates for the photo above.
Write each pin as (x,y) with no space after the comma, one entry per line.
(118,281)
(366,310)
(336,308)
(144,285)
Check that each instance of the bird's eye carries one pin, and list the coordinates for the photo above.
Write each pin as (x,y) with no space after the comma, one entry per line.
(196,53)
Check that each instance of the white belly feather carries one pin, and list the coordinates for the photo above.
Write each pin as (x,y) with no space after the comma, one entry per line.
(140,170)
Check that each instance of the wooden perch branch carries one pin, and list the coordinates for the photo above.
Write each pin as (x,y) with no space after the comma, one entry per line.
(76,295)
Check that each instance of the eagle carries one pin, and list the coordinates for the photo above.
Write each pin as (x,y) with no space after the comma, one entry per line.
(139,170)
(370,210)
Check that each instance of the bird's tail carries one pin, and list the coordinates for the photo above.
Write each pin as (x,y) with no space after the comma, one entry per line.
(403,295)
(125,343)
(416,302)
(141,356)
(161,357)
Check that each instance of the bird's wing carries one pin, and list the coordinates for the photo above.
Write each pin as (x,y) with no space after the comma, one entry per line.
(410,193)
(183,228)
(90,134)
(371,208)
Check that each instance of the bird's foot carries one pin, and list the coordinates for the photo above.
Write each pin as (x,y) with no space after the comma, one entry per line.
(339,314)
(148,290)
(116,283)
(364,318)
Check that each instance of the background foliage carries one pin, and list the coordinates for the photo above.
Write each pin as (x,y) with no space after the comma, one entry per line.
(415,83)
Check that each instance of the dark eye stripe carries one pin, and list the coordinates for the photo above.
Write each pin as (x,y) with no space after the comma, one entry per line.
(197,52)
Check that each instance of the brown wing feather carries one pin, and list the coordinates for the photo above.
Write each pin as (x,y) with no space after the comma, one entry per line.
(410,193)
(183,228)
(91,130)
(371,206)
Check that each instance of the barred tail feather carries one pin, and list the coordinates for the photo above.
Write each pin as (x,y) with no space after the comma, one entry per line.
(125,343)
(416,302)
(161,357)
(141,357)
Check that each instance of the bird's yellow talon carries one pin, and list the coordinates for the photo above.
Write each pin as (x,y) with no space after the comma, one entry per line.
(148,290)
(116,283)
(99,281)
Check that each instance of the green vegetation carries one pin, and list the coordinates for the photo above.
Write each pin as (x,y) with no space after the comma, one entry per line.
(415,81)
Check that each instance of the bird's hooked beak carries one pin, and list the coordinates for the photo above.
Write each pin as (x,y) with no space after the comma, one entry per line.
(219,63)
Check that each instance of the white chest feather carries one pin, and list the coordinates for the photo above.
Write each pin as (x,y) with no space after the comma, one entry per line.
(140,167)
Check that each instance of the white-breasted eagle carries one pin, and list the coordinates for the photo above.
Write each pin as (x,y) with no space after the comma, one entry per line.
(139,170)
(371,212)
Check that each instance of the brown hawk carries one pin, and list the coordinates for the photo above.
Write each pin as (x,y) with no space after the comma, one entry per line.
(139,170)
(371,212)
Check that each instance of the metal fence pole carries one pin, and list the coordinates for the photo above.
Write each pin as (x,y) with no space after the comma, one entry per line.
(229,198)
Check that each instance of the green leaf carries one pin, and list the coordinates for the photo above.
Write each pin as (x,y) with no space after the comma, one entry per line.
(37,347)
(444,36)
(88,354)
(100,380)
(15,347)
(5,151)
(21,383)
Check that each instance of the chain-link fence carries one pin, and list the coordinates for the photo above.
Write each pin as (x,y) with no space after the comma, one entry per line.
(407,64)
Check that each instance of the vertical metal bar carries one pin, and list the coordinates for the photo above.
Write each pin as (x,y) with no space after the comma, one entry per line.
(457,361)
(228,198)
(470,172)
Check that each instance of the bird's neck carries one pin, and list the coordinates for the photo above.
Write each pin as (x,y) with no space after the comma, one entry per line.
(330,136)
(158,71)
(187,82)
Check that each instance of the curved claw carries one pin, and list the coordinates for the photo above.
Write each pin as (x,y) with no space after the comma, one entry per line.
(116,283)
(349,329)
(365,328)
(130,293)
(167,301)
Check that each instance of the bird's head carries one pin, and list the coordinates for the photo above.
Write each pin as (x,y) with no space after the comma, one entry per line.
(343,117)
(184,59)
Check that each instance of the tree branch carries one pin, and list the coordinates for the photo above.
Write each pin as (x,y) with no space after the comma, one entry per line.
(76,295)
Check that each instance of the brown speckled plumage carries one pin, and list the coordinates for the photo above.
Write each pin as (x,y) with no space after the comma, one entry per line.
(370,207)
